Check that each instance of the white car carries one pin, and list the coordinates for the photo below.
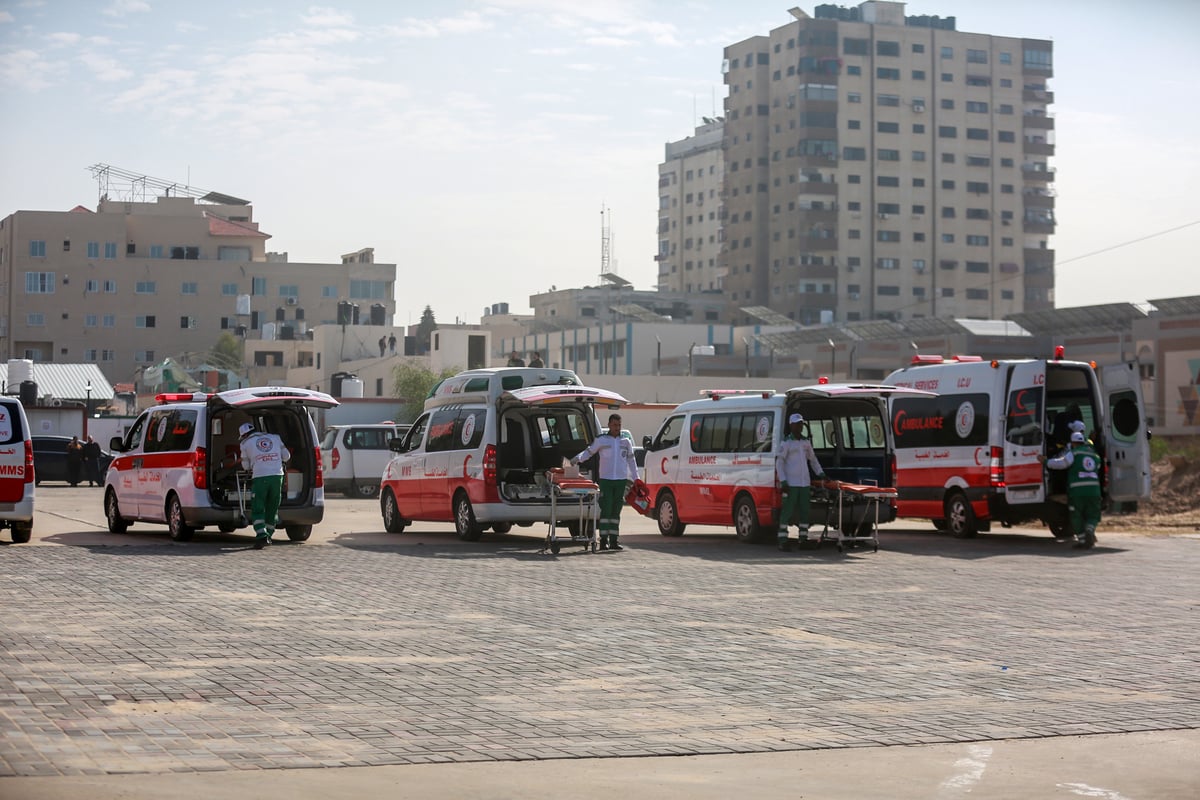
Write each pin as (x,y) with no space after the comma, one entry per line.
(354,457)
(179,464)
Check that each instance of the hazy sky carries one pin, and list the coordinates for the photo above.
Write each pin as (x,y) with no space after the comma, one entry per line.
(474,144)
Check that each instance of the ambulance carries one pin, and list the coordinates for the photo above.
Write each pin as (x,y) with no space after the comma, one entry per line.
(712,461)
(968,457)
(17,480)
(479,454)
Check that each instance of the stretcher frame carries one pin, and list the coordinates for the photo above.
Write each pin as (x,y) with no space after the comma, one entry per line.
(837,513)
(583,492)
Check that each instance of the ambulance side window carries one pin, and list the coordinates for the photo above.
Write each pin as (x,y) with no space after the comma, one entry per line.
(416,433)
(134,437)
(441,430)
(668,435)
(1023,419)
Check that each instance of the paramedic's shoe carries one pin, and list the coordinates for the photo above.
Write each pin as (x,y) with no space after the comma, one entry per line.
(614,546)
(1086,541)
(603,542)
(261,542)
(785,545)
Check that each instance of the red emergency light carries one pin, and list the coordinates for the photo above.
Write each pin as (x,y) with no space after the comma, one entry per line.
(822,380)
(1059,352)
(920,359)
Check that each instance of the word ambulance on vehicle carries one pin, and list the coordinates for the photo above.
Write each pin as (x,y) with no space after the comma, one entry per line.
(712,461)
(479,453)
(179,463)
(969,455)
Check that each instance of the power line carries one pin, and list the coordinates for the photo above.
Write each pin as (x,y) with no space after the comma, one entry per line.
(1131,241)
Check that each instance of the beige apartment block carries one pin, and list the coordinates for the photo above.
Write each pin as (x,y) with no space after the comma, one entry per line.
(885,167)
(131,283)
(689,204)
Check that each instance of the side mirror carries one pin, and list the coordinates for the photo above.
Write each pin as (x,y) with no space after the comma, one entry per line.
(396,445)
(646,442)
(116,444)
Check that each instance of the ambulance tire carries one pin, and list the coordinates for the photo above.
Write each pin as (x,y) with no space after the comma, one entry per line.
(112,512)
(21,532)
(960,517)
(298,533)
(745,520)
(177,526)
(668,516)
(464,519)
(364,490)
(392,521)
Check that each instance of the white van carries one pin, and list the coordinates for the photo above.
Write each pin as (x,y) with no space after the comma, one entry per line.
(179,462)
(353,457)
(479,452)
(969,456)
(17,484)
(713,460)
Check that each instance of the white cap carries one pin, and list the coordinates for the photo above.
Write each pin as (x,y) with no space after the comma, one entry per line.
(794,418)
(1077,436)
(245,430)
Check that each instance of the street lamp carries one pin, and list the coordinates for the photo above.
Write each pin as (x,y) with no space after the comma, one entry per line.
(832,358)
(88,408)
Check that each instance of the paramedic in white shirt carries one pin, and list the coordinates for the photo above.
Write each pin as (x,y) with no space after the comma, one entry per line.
(618,471)
(792,464)
(264,454)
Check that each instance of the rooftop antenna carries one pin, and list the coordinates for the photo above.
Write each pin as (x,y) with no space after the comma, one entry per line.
(605,240)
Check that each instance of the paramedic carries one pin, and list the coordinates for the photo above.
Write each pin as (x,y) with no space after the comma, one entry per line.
(618,471)
(1083,486)
(264,454)
(792,468)
(515,360)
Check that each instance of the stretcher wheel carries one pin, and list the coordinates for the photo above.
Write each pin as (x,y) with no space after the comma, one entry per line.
(554,548)
(595,546)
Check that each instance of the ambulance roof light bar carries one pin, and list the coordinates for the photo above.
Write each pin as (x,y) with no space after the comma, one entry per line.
(717,394)
(181,397)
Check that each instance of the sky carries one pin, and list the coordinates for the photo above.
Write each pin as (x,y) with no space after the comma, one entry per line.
(482,146)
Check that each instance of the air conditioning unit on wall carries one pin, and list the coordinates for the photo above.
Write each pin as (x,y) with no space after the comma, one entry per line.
(291,301)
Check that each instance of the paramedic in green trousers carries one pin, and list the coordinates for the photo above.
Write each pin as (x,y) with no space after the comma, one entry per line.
(263,454)
(792,464)
(618,471)
(1082,463)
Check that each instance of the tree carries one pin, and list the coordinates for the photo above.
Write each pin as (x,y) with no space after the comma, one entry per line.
(425,329)
(227,352)
(412,384)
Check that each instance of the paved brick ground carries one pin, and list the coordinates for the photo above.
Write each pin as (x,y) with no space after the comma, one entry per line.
(181,658)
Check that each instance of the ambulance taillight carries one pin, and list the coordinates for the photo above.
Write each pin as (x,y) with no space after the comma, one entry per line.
(199,469)
(29,461)
(489,465)
(996,468)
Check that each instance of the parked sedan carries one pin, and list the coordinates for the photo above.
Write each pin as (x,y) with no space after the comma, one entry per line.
(50,460)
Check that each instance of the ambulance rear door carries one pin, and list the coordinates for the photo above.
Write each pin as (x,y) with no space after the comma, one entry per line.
(1126,438)
(1024,432)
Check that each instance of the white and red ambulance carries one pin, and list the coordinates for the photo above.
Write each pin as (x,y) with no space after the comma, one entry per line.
(969,455)
(17,484)
(712,461)
(479,453)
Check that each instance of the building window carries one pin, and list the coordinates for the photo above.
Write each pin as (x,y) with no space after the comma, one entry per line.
(37,248)
(978,187)
(39,282)
(947,104)
(289,290)
(977,56)
(143,321)
(853,69)
(108,355)
(948,185)
(918,48)
(887,208)
(977,294)
(889,263)
(978,161)
(947,77)
(918,128)
(947,52)
(976,266)
(1006,58)
(145,287)
(110,287)
(93,249)
(887,74)
(110,250)
(89,355)
(109,320)
(853,124)
(976,107)
(886,48)
(156,251)
(918,74)
(918,183)
(947,131)
(855,47)
(887,180)
(1038,59)
(977,241)
(854,233)
(144,356)
(187,323)
(90,320)
(977,213)
(948,212)
(853,97)
(1006,136)
(854,179)
(35,319)
(947,238)
(887,100)
(887,236)
(854,154)
(258,286)
(918,155)
(887,127)
(887,291)
(229,289)
(189,287)
(947,158)
(370,290)
(884,154)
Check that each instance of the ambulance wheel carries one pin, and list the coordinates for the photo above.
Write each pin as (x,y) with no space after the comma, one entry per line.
(960,517)
(392,521)
(21,531)
(364,490)
(299,533)
(176,524)
(112,512)
(227,527)
(501,527)
(745,520)
(668,516)
(555,547)
(464,519)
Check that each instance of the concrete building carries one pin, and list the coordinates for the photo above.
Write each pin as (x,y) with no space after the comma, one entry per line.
(689,220)
(137,281)
(885,167)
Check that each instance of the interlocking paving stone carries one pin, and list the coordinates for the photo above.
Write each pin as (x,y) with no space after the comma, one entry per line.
(197,658)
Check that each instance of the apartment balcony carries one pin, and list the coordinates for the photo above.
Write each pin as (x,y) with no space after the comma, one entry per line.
(1033,197)
(815,301)
(1037,259)
(816,243)
(818,271)
(1037,173)
(1031,95)
(1038,226)
(822,188)
(1043,122)
(1039,280)
(816,216)
(1035,148)
(816,159)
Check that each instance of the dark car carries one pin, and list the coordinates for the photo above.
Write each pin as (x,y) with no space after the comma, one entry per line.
(50,460)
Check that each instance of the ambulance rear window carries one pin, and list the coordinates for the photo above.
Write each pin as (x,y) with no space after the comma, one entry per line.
(10,424)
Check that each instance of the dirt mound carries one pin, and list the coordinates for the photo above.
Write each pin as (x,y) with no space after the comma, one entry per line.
(1174,495)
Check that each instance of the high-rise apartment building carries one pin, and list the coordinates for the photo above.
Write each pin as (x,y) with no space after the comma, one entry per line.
(132,283)
(689,201)
(879,166)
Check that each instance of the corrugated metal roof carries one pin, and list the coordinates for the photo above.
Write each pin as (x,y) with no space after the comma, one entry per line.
(993,327)
(64,381)
(1177,306)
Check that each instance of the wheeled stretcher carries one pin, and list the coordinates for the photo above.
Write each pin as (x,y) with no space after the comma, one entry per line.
(582,496)
(852,513)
